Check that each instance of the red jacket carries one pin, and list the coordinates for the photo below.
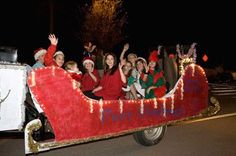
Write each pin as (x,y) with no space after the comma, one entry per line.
(111,86)
(88,83)
(76,76)
(48,59)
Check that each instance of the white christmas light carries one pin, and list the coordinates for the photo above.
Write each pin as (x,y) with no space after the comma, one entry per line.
(121,106)
(172,104)
(155,103)
(101,108)
(33,83)
(141,107)
(91,105)
(164,107)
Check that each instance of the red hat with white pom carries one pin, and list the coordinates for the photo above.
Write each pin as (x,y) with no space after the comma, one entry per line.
(88,60)
(39,52)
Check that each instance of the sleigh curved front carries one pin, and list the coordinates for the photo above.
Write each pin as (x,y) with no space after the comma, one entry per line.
(74,116)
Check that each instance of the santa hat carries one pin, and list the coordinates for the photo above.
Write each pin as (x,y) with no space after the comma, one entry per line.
(88,60)
(39,52)
(153,56)
(141,58)
(58,53)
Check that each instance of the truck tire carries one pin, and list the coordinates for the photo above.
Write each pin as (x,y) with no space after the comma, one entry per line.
(150,136)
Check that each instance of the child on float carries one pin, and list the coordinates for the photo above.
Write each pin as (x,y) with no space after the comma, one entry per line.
(39,58)
(53,58)
(153,78)
(137,82)
(132,57)
(90,78)
(126,88)
(72,68)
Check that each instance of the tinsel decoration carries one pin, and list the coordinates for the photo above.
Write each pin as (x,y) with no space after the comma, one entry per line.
(91,105)
(182,89)
(172,104)
(121,106)
(155,103)
(193,67)
(141,107)
(101,109)
(164,107)
(33,79)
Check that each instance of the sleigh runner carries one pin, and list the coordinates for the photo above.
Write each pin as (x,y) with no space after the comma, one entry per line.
(76,118)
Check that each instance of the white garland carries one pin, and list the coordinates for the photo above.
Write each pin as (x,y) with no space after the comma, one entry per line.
(141,107)
(164,107)
(121,106)
(33,83)
(74,84)
(53,70)
(101,109)
(172,104)
(182,89)
(193,67)
(155,103)
(91,105)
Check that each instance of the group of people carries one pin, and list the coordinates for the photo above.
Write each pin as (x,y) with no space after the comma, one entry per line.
(130,77)
(126,77)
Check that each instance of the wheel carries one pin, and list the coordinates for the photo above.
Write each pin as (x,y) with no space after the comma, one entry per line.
(150,136)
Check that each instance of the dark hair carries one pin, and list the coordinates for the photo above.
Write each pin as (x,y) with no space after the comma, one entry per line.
(106,67)
(130,71)
(139,60)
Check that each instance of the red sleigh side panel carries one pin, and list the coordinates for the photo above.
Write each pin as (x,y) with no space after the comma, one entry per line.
(74,116)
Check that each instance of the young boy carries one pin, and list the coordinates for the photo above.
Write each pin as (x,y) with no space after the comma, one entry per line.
(72,68)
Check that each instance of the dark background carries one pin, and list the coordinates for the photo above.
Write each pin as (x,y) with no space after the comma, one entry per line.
(26,25)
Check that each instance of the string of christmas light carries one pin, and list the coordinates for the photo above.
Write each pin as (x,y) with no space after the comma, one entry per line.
(91,105)
(141,107)
(155,103)
(101,109)
(172,104)
(121,106)
(164,107)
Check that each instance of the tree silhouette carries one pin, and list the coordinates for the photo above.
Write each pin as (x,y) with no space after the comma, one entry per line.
(104,23)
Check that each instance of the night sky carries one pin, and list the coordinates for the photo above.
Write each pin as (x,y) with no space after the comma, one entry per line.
(25,25)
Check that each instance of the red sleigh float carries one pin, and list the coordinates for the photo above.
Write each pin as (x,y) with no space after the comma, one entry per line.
(76,118)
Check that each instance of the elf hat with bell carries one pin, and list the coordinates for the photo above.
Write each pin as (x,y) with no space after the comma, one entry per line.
(153,56)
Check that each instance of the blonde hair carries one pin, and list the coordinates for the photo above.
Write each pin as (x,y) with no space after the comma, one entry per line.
(69,64)
(132,54)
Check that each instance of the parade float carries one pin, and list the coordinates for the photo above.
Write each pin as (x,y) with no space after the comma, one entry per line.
(76,119)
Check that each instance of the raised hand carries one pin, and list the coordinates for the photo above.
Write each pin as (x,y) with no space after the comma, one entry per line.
(126,47)
(53,39)
(193,45)
(122,63)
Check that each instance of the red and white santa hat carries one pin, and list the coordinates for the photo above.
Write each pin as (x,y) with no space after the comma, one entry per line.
(58,53)
(88,60)
(141,58)
(39,52)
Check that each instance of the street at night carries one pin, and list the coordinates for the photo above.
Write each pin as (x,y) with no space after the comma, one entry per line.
(97,78)
(214,135)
